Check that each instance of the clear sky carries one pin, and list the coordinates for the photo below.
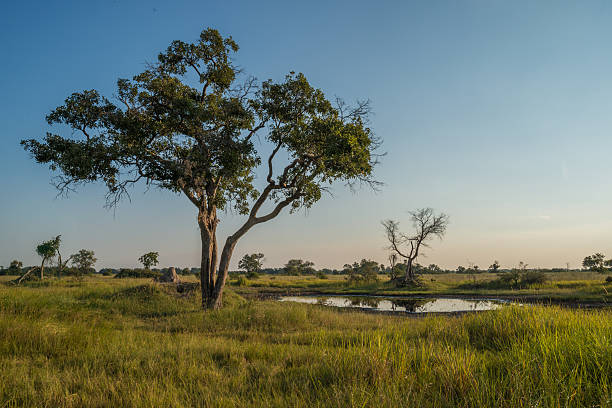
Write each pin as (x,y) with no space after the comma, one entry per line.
(498,113)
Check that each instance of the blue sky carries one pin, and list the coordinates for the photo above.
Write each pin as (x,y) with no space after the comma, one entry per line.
(498,113)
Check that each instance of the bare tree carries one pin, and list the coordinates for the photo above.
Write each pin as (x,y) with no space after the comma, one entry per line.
(426,224)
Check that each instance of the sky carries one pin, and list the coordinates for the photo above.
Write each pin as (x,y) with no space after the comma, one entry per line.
(497,113)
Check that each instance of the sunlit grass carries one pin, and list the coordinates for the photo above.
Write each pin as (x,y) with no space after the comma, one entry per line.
(110,342)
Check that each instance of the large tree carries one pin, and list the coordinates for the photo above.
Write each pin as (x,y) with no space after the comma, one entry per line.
(188,124)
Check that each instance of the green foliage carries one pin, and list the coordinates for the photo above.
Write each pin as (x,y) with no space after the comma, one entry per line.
(186,138)
(511,278)
(252,264)
(519,278)
(14,268)
(137,273)
(433,269)
(494,267)
(596,262)
(84,260)
(365,271)
(299,267)
(241,281)
(533,278)
(48,249)
(321,275)
(252,275)
(149,259)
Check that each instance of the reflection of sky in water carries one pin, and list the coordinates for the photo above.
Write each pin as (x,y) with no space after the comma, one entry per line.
(399,305)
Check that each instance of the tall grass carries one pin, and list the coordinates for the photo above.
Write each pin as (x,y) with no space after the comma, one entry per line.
(102,343)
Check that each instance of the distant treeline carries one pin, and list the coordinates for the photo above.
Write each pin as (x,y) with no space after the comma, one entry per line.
(382,269)
(50,270)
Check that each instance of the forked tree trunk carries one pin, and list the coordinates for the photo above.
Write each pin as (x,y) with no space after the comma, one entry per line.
(213,278)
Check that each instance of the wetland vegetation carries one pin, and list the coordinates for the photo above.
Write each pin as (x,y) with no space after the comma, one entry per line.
(101,341)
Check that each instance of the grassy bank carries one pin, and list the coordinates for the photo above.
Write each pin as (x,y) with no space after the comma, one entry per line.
(110,342)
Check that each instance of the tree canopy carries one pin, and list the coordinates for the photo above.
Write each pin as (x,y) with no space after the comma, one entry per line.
(47,250)
(252,264)
(149,259)
(299,267)
(84,260)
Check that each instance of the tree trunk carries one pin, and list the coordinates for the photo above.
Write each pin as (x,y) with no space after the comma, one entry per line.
(208,260)
(42,269)
(409,275)
(212,280)
(226,256)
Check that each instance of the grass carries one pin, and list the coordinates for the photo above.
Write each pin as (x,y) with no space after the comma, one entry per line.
(588,287)
(110,342)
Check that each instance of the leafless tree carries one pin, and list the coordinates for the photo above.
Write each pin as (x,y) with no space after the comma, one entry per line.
(427,225)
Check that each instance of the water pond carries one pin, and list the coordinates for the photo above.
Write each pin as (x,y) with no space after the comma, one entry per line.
(405,305)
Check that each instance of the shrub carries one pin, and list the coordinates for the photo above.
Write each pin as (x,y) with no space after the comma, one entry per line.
(321,275)
(15,268)
(241,281)
(137,273)
(511,278)
(533,278)
(252,275)
(364,272)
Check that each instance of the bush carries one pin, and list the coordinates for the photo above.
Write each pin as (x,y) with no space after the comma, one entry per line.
(252,275)
(511,278)
(241,281)
(137,273)
(516,279)
(533,278)
(321,275)
(364,272)
(73,271)
(14,269)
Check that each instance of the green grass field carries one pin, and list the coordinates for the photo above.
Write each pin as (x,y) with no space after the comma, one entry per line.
(127,342)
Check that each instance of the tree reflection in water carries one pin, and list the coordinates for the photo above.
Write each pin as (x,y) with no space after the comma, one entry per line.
(408,305)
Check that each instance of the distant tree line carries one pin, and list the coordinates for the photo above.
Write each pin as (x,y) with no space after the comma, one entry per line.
(251,265)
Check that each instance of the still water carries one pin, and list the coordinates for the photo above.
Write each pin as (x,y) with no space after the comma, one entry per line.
(406,305)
